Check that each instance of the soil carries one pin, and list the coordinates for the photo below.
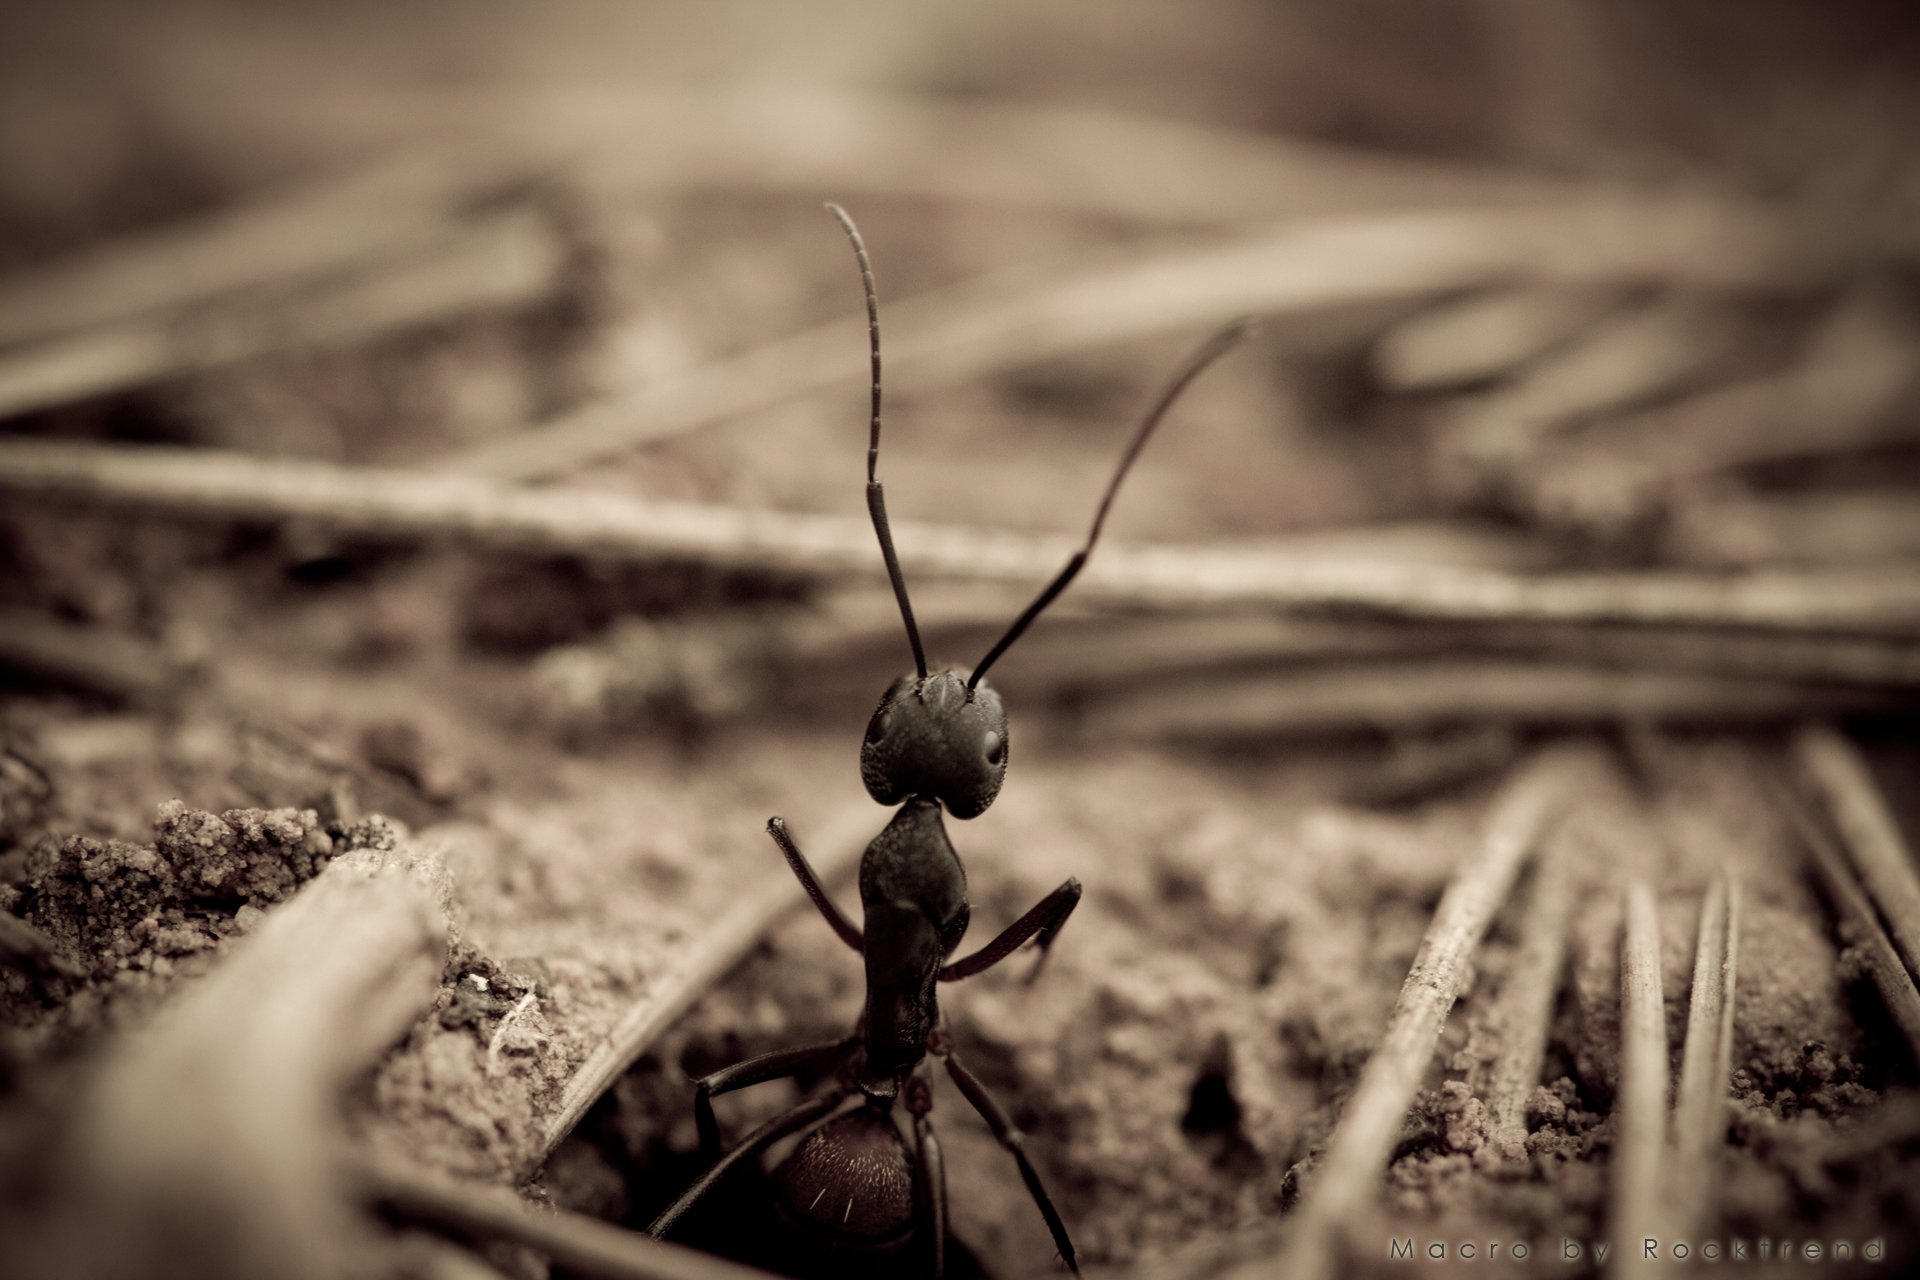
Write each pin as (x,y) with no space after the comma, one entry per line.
(1176,1066)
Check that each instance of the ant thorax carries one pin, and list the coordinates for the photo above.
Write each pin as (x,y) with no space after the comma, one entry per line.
(912,864)
(935,737)
(913,892)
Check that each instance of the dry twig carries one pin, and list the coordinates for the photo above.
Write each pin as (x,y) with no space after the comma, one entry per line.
(1869,832)
(1838,528)
(1839,398)
(1071,159)
(1014,321)
(328,223)
(205,1143)
(1082,653)
(582,1245)
(1628,357)
(24,947)
(94,659)
(732,935)
(792,138)
(1420,693)
(1534,797)
(278,758)
(1172,672)
(500,260)
(1420,766)
(1486,335)
(398,503)
(1197,644)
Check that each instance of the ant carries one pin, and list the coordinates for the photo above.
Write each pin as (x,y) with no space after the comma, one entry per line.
(936,740)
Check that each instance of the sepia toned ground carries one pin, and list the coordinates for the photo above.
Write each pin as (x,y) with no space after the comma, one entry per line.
(434,547)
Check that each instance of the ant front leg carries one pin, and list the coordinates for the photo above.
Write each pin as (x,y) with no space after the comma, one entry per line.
(803,871)
(1041,923)
(781,1064)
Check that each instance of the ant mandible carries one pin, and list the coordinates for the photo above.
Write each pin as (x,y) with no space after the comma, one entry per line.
(936,739)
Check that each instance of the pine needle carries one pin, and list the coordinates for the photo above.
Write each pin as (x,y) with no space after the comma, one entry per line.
(1526,1001)
(1868,831)
(1700,1115)
(1637,1207)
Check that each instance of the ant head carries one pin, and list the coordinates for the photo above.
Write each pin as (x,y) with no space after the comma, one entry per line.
(935,736)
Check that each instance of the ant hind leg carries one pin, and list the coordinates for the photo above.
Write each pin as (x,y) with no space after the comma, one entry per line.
(1008,1135)
(760,1139)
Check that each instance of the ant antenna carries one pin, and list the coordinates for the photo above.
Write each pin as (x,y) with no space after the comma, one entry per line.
(876,496)
(1210,350)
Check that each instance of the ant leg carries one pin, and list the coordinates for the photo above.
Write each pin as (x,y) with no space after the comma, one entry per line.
(1010,1137)
(933,1191)
(931,1183)
(781,1064)
(1041,923)
(759,1140)
(803,871)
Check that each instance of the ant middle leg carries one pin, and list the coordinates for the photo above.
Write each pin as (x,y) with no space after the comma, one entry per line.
(1041,923)
(781,1064)
(1009,1136)
(803,871)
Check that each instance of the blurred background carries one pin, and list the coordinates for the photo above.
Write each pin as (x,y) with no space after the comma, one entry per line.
(456,411)
(370,234)
(1543,283)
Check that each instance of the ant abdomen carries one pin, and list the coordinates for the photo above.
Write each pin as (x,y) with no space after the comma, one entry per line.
(937,737)
(850,1183)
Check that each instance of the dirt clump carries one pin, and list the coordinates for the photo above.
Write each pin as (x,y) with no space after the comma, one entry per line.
(128,918)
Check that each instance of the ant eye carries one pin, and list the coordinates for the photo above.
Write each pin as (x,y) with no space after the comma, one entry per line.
(995,749)
(877,727)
